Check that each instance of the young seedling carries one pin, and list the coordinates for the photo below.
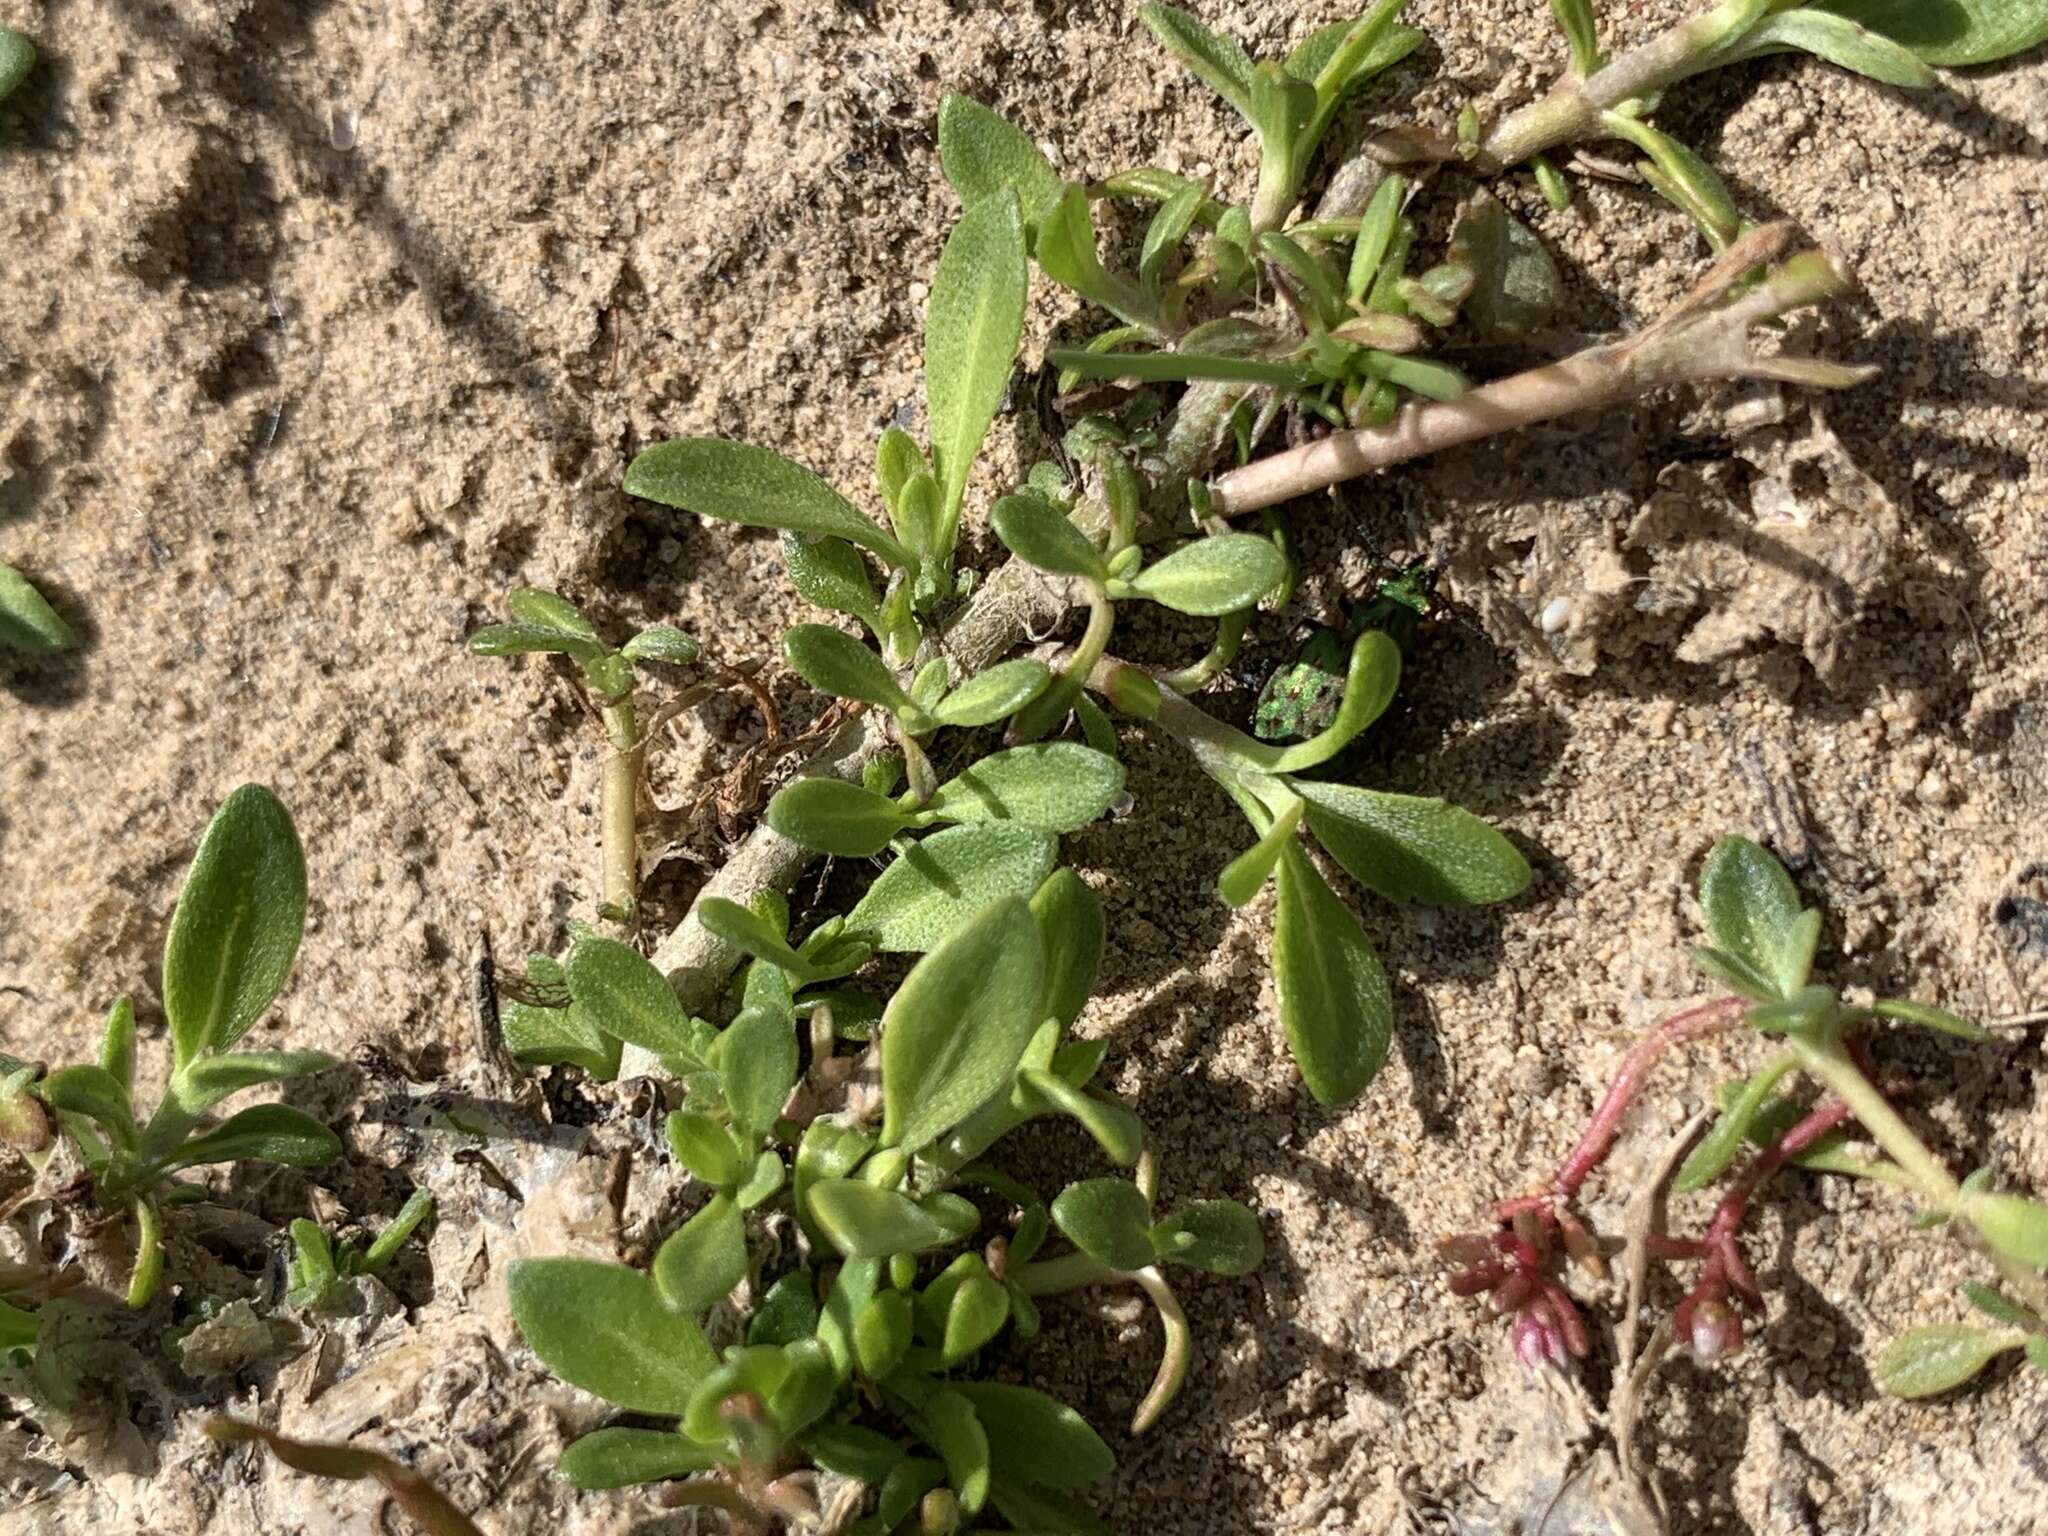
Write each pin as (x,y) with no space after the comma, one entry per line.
(1762,951)
(546,623)
(865,1348)
(320,1268)
(233,938)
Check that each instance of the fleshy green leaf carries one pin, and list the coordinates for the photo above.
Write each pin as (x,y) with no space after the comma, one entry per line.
(1927,1016)
(1924,1361)
(1168,228)
(1752,911)
(1408,848)
(1066,253)
(882,1333)
(1334,1002)
(982,155)
(1949,33)
(1370,678)
(549,610)
(1036,1438)
(541,1036)
(237,926)
(605,1328)
(1219,1236)
(1040,534)
(17,58)
(978,1309)
(703,1259)
(1576,19)
(832,574)
(619,1458)
(1070,917)
(97,1094)
(1375,233)
(663,643)
(1717,1149)
(788,1312)
(833,662)
(995,694)
(1246,875)
(829,815)
(621,993)
(1995,1306)
(972,323)
(956,1434)
(864,1221)
(527,639)
(1119,1133)
(1059,786)
(117,1044)
(958,1025)
(756,1057)
(1107,1219)
(27,621)
(745,930)
(1218,62)
(2015,1226)
(1841,42)
(263,1133)
(212,1078)
(1213,576)
(945,879)
(739,483)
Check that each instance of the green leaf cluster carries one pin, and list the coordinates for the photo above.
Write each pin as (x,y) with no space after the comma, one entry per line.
(233,938)
(862,1356)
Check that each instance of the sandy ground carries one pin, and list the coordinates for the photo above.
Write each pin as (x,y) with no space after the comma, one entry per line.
(324,321)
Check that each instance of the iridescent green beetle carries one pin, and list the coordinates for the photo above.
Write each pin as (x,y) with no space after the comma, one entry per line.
(1300,698)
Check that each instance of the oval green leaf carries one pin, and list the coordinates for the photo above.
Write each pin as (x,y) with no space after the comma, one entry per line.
(1039,533)
(1107,1219)
(1924,1361)
(972,324)
(995,694)
(620,1458)
(27,621)
(941,881)
(1752,911)
(833,662)
(1335,1006)
(864,1221)
(1219,1236)
(237,926)
(1410,848)
(830,815)
(958,1025)
(1036,1438)
(703,1259)
(604,1328)
(1059,786)
(739,483)
(263,1133)
(1214,576)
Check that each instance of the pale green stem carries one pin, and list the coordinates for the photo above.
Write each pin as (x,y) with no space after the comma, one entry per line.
(1571,111)
(1072,1271)
(1829,1062)
(617,817)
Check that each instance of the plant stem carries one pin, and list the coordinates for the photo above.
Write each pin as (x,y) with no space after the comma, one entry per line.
(617,818)
(1572,108)
(1829,1061)
(1706,1019)
(1072,1271)
(1705,337)
(1014,603)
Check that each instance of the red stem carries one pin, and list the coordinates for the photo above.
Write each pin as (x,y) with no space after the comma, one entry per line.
(1706,1019)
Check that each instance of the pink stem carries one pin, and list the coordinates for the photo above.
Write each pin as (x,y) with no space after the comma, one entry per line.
(1706,1019)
